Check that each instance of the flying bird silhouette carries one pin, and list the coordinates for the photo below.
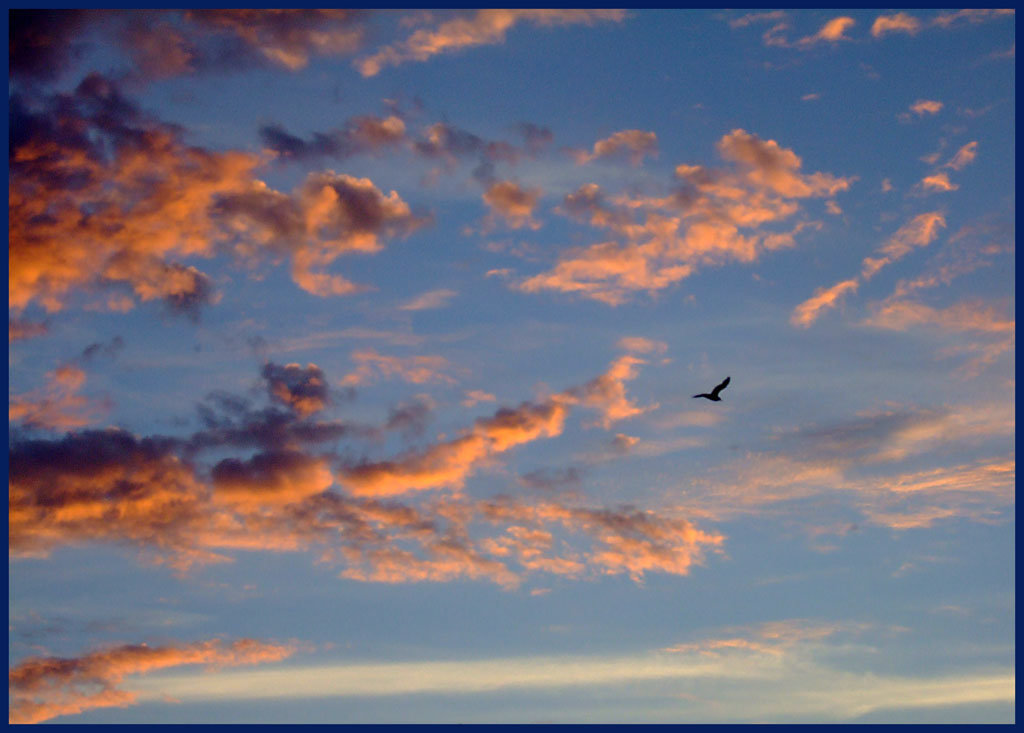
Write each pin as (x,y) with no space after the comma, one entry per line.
(714,393)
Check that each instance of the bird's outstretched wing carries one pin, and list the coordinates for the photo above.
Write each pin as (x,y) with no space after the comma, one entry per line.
(720,387)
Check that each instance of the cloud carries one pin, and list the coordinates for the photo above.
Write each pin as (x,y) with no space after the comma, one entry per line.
(43,42)
(475,396)
(607,393)
(165,43)
(640,345)
(964,157)
(812,681)
(272,478)
(903,315)
(155,494)
(832,31)
(359,135)
(57,406)
(750,18)
(48,687)
(937,182)
(631,541)
(773,637)
(286,37)
(419,369)
(970,15)
(918,232)
(635,143)
(447,464)
(19,329)
(823,299)
(513,203)
(103,196)
(924,107)
(700,223)
(485,27)
(410,417)
(896,23)
(328,216)
(429,300)
(551,479)
(302,390)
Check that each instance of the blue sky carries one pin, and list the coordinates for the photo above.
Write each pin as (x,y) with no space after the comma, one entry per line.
(352,359)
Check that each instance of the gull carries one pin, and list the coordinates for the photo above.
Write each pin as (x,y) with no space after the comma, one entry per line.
(714,393)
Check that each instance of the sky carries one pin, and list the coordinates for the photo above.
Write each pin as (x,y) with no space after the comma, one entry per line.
(352,359)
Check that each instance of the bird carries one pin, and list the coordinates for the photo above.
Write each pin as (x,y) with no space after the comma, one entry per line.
(714,393)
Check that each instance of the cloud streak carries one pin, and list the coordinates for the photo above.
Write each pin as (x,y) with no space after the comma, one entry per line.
(43,688)
(485,27)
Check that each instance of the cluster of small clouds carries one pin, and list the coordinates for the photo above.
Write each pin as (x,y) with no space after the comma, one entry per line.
(873,459)
(701,222)
(292,495)
(918,232)
(166,43)
(836,29)
(102,195)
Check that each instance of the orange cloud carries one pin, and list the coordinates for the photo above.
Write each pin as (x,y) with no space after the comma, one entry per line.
(636,143)
(485,27)
(896,23)
(416,369)
(823,299)
(449,463)
(938,182)
(151,493)
(607,393)
(640,345)
(701,224)
(926,106)
(42,688)
(964,156)
(287,37)
(103,195)
(57,406)
(303,390)
(631,542)
(918,232)
(513,203)
(834,30)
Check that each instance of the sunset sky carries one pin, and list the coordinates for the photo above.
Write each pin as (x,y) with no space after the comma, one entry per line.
(352,358)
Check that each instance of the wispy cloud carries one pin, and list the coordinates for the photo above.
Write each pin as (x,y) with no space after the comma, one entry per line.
(485,27)
(48,687)
(430,300)
(418,369)
(896,23)
(918,232)
(634,143)
(807,682)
